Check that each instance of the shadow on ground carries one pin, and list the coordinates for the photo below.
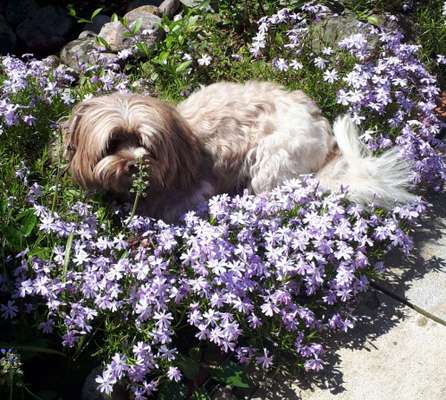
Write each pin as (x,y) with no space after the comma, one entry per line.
(379,313)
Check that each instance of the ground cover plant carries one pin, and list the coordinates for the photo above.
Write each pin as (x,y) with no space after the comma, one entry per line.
(171,310)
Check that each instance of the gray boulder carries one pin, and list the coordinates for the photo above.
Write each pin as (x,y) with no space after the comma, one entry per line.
(85,34)
(78,52)
(7,37)
(191,3)
(118,36)
(18,10)
(329,31)
(169,7)
(138,3)
(45,30)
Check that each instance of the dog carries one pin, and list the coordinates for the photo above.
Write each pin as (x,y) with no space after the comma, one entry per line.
(224,138)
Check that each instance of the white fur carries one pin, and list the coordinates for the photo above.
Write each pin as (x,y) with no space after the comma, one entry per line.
(382,179)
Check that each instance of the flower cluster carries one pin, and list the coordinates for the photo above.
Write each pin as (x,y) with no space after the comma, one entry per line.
(28,83)
(387,88)
(291,262)
(10,366)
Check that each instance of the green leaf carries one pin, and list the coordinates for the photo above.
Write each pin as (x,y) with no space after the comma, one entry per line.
(374,20)
(114,17)
(162,58)
(102,42)
(71,10)
(13,236)
(28,221)
(183,66)
(136,26)
(95,12)
(175,28)
(230,374)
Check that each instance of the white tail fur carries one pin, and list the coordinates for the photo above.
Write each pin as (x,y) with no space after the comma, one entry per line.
(383,179)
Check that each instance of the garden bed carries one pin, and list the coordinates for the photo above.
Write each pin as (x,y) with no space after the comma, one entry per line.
(182,308)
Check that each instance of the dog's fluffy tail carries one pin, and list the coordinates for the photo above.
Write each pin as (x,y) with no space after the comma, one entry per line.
(383,179)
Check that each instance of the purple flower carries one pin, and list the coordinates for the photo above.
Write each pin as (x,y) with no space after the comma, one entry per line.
(9,310)
(174,374)
(264,360)
(106,382)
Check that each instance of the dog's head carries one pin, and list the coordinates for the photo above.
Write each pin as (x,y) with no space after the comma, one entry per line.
(108,136)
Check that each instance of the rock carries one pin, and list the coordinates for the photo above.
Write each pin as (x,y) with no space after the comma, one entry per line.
(329,31)
(117,35)
(191,3)
(90,392)
(52,61)
(85,34)
(169,8)
(98,22)
(18,10)
(113,34)
(45,30)
(138,3)
(143,13)
(78,52)
(7,37)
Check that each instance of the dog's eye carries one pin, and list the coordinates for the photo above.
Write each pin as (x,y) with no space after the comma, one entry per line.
(114,145)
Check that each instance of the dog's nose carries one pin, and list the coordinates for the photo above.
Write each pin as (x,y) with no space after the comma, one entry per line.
(131,168)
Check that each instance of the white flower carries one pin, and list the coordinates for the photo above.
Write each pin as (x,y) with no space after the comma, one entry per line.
(296,65)
(204,60)
(330,76)
(441,59)
(320,63)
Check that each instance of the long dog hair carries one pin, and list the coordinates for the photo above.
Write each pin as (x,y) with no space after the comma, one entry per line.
(223,138)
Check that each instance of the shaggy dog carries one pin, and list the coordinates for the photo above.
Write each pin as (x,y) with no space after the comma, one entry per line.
(223,138)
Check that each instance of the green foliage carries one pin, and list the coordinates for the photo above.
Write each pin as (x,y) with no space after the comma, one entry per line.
(231,374)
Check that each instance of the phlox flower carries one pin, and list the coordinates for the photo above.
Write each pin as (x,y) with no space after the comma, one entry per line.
(265,360)
(105,382)
(331,76)
(174,374)
(204,60)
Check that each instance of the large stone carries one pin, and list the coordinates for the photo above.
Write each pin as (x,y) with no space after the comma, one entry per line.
(98,22)
(138,3)
(78,52)
(45,31)
(329,31)
(169,8)
(18,10)
(191,3)
(143,13)
(7,37)
(118,36)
